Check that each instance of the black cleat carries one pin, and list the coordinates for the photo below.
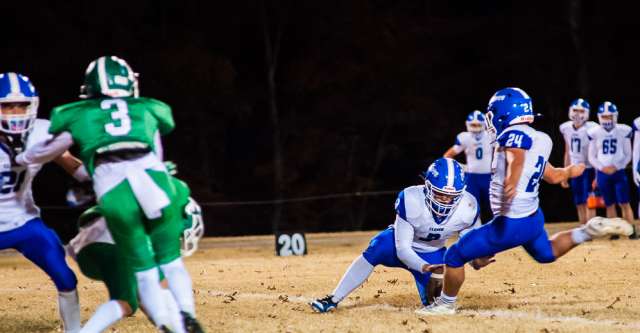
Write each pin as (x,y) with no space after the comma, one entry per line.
(191,325)
(165,329)
(325,304)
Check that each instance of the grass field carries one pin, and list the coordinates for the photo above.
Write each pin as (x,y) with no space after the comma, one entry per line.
(241,286)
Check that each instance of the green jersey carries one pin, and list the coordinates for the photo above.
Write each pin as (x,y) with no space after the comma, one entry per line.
(104,124)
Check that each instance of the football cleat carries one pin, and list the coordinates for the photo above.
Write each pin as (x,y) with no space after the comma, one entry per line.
(602,226)
(191,325)
(323,305)
(634,235)
(437,308)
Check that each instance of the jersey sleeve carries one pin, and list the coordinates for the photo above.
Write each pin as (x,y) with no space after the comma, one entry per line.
(407,206)
(162,112)
(59,121)
(564,126)
(515,139)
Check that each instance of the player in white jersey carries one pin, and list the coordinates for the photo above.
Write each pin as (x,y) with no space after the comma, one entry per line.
(635,166)
(426,216)
(520,161)
(476,144)
(20,225)
(576,151)
(609,153)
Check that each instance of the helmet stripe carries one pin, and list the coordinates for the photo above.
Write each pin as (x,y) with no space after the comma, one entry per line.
(102,74)
(13,82)
(450,172)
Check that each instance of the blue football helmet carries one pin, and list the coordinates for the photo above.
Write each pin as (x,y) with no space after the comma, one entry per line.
(608,115)
(508,106)
(579,111)
(475,122)
(443,186)
(17,88)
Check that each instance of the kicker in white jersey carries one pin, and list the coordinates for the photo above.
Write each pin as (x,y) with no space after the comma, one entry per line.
(537,146)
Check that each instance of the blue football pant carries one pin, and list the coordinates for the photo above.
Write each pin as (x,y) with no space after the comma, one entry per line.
(382,251)
(41,246)
(501,234)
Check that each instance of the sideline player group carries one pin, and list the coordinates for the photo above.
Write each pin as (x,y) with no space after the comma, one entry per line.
(506,159)
(144,220)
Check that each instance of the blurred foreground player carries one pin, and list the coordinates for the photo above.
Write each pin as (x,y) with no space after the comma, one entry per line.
(99,259)
(520,161)
(576,151)
(426,216)
(476,145)
(20,225)
(115,132)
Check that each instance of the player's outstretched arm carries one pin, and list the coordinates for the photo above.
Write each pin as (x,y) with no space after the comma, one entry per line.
(73,166)
(553,175)
(46,151)
(451,152)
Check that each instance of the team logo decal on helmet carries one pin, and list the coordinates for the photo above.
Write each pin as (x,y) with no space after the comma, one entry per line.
(444,183)
(193,232)
(608,115)
(579,111)
(109,76)
(19,101)
(508,106)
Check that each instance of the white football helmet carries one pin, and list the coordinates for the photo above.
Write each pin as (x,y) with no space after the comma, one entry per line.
(191,235)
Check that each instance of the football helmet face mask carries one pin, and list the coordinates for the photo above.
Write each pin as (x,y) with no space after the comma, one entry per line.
(507,107)
(579,112)
(109,76)
(19,103)
(193,232)
(443,187)
(475,122)
(608,115)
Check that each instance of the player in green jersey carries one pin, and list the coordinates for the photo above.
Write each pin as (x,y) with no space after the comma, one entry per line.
(115,132)
(99,259)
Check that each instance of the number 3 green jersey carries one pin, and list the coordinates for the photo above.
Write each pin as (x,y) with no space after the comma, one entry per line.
(104,124)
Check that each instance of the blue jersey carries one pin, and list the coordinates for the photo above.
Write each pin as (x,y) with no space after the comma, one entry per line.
(537,146)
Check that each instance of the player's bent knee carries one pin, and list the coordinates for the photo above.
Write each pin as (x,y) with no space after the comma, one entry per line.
(545,258)
(453,257)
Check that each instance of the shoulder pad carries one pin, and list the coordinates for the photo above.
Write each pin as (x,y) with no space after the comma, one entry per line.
(591,124)
(460,138)
(625,130)
(515,138)
(469,207)
(409,204)
(564,126)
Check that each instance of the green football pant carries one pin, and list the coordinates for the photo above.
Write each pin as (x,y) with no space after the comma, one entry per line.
(103,262)
(145,243)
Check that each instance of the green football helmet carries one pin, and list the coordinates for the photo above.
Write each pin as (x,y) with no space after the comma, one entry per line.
(109,76)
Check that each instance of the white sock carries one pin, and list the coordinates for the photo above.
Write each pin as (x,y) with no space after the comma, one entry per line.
(174,311)
(106,315)
(180,285)
(150,293)
(353,278)
(69,310)
(580,235)
(448,299)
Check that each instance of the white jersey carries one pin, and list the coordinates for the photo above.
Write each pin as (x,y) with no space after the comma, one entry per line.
(610,148)
(16,200)
(477,149)
(577,141)
(428,235)
(537,146)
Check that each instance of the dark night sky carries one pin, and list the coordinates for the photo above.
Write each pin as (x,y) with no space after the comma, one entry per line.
(369,92)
